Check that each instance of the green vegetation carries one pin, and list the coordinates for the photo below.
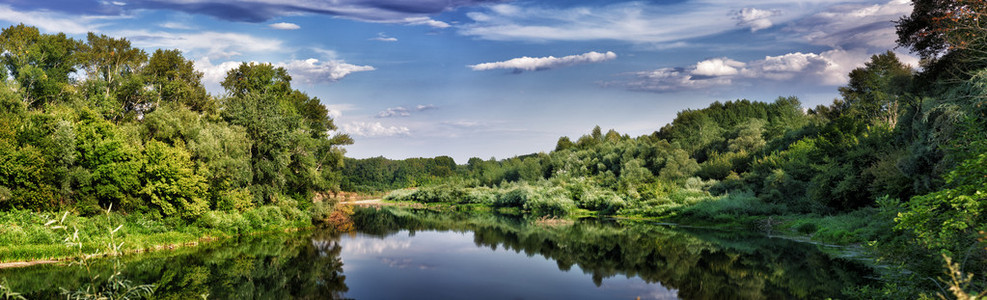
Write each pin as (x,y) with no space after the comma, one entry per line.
(898,162)
(139,133)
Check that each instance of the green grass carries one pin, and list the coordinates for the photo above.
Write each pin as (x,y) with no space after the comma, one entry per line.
(26,235)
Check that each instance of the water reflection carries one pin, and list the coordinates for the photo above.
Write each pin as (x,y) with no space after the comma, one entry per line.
(394,253)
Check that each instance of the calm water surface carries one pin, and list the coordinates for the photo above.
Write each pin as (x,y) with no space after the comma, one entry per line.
(401,254)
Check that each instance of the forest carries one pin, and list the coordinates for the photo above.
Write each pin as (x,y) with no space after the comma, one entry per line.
(898,163)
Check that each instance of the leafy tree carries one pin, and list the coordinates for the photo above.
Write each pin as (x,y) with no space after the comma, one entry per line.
(877,92)
(108,60)
(170,183)
(40,63)
(175,79)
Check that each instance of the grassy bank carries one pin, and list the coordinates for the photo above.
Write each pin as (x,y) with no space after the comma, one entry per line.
(690,205)
(30,236)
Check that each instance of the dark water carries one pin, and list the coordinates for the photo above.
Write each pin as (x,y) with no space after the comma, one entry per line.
(399,254)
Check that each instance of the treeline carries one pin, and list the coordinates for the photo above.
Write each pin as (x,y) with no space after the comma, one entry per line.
(86,125)
(382,174)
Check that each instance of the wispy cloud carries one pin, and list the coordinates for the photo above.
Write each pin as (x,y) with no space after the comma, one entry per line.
(204,43)
(373,129)
(636,22)
(285,26)
(401,111)
(755,19)
(49,21)
(545,63)
(381,37)
(852,26)
(392,11)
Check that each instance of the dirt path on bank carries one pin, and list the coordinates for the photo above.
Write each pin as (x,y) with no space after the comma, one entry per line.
(21,264)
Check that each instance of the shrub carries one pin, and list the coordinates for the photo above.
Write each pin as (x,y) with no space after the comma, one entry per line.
(550,202)
(516,197)
(605,202)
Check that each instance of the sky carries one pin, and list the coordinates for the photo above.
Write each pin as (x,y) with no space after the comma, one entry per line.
(499,78)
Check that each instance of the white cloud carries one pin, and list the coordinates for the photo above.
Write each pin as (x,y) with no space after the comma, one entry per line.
(399,111)
(826,68)
(635,22)
(755,19)
(205,43)
(669,80)
(313,71)
(373,129)
(425,21)
(337,110)
(49,21)
(718,67)
(284,26)
(381,37)
(176,25)
(213,74)
(545,63)
(309,71)
(853,26)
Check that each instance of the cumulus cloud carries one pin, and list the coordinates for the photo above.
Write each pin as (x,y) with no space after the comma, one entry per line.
(313,71)
(308,71)
(336,110)
(755,19)
(545,63)
(213,74)
(718,67)
(827,68)
(373,129)
(284,26)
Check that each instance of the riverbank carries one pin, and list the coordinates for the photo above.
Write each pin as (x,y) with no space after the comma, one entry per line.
(33,237)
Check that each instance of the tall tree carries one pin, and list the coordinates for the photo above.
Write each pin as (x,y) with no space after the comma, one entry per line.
(108,59)
(40,63)
(878,91)
(175,79)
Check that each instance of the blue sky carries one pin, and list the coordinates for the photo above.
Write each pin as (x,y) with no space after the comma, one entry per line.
(497,78)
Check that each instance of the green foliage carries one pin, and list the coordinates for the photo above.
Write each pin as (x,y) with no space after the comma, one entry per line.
(171,184)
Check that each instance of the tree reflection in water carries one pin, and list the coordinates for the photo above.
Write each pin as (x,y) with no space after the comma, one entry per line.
(282,266)
(698,264)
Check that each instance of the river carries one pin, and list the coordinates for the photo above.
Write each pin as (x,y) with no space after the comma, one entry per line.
(399,253)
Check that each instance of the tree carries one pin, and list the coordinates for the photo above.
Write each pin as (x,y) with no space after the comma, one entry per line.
(108,59)
(950,36)
(259,78)
(175,79)
(877,92)
(937,26)
(40,63)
